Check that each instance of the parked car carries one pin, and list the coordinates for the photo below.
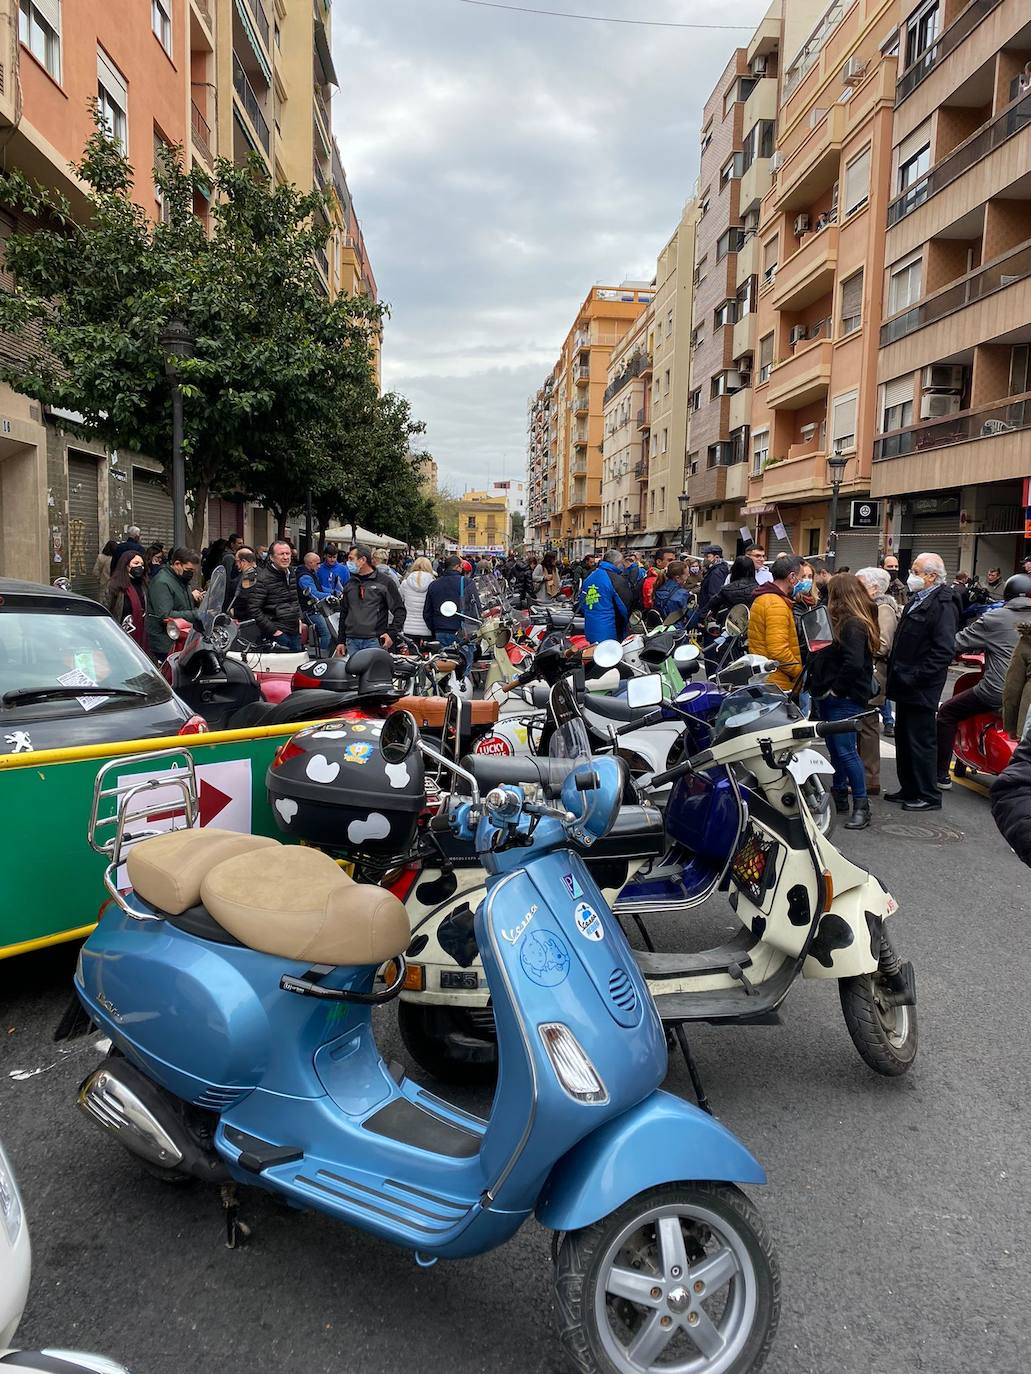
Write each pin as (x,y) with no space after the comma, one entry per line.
(69,675)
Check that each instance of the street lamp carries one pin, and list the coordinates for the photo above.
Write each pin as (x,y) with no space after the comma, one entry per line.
(595,532)
(682,499)
(836,464)
(627,518)
(177,343)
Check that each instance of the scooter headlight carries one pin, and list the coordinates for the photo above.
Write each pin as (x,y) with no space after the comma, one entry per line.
(573,1069)
(10,1203)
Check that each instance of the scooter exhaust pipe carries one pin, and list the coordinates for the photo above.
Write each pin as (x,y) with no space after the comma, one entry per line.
(113,1096)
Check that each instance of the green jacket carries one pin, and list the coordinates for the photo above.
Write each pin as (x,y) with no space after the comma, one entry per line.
(167,597)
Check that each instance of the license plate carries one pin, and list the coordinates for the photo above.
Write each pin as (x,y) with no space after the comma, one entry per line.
(460,979)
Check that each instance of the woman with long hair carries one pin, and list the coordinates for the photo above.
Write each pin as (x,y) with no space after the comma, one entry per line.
(127,596)
(841,679)
(414,586)
(102,567)
(546,579)
(671,592)
(738,590)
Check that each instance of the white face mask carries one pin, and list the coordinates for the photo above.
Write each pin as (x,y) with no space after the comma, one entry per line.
(915,582)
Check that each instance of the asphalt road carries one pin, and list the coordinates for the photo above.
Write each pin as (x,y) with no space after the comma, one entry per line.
(899,1207)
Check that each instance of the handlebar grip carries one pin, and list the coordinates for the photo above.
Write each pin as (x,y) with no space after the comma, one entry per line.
(440,822)
(671,773)
(652,718)
(837,727)
(587,782)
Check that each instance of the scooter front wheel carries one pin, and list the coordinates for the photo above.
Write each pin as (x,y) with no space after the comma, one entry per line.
(454,1044)
(885,1036)
(680,1278)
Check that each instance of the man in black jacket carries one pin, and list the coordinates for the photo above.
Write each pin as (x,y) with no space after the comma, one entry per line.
(716,573)
(924,646)
(1011,802)
(273,602)
(372,610)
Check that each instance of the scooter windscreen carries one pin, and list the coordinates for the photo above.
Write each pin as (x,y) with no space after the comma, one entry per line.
(594,794)
(753,708)
(211,616)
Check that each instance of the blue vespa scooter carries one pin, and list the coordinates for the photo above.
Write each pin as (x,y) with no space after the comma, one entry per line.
(236,979)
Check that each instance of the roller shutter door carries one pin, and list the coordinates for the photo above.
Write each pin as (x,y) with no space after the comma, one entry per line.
(224,518)
(83,523)
(775,546)
(151,507)
(936,534)
(858,549)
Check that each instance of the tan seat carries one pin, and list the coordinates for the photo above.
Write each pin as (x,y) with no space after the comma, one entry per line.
(299,904)
(167,870)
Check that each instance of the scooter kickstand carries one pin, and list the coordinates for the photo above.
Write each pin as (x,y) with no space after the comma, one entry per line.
(692,1068)
(237,1232)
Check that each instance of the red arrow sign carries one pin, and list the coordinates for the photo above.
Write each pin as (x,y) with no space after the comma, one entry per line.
(212,801)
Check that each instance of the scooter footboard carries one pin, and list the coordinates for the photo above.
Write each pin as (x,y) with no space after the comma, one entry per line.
(661,1140)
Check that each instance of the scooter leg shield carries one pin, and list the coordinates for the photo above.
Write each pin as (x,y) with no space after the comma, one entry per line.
(661,1140)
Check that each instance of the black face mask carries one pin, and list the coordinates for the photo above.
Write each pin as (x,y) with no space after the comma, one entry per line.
(136,574)
(186,577)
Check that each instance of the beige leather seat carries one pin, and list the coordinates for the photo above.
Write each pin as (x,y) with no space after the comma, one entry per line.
(167,870)
(297,903)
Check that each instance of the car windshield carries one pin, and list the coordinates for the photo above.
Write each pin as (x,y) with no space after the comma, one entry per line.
(41,649)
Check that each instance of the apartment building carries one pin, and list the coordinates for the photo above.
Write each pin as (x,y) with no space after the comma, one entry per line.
(576,418)
(952,449)
(624,462)
(483,523)
(538,465)
(821,264)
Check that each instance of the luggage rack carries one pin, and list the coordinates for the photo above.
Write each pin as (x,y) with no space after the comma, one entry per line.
(117,807)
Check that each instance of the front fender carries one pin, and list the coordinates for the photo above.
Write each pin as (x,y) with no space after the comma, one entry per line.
(661,1140)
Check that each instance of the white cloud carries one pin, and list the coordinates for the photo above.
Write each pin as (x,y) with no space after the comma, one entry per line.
(502,164)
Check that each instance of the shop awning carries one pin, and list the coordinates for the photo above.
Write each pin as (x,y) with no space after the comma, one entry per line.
(758,510)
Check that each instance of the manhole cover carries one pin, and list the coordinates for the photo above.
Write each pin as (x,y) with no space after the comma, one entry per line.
(929,834)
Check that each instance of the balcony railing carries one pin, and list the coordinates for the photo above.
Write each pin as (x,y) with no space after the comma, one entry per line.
(1005,417)
(249,100)
(830,20)
(642,420)
(635,367)
(823,329)
(961,26)
(201,131)
(257,9)
(583,374)
(318,176)
(1011,121)
(641,470)
(1014,267)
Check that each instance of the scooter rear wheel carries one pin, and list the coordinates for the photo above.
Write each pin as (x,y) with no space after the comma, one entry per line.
(886,1037)
(682,1279)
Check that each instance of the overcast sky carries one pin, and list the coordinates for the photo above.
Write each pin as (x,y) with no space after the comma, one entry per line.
(501,164)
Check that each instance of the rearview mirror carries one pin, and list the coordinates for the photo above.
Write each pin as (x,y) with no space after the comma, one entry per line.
(644,691)
(448,609)
(127,624)
(398,737)
(686,654)
(608,653)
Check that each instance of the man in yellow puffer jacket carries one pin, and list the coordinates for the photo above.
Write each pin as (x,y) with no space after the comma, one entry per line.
(771,622)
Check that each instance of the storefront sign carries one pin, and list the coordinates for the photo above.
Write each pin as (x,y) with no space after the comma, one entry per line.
(866,515)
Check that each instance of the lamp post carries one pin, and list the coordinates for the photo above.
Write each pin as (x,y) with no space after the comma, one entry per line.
(595,531)
(836,464)
(682,500)
(177,343)
(627,517)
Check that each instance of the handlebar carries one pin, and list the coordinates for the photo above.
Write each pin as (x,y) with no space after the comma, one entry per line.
(820,729)
(652,718)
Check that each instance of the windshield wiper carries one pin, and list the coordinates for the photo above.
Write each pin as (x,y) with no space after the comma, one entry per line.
(21,694)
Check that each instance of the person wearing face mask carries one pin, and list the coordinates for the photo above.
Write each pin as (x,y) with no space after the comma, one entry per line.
(918,665)
(771,622)
(127,596)
(897,589)
(170,597)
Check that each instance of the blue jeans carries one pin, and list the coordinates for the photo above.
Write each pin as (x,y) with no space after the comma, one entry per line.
(844,749)
(448,639)
(354,645)
(887,714)
(289,642)
(320,625)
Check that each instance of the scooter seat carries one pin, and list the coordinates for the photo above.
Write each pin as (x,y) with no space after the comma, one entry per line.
(613,708)
(167,870)
(298,904)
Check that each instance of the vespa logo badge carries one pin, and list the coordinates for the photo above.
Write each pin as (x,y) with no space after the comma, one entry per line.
(588,922)
(512,936)
(108,1005)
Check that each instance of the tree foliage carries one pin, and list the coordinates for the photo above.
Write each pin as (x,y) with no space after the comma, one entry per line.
(280,396)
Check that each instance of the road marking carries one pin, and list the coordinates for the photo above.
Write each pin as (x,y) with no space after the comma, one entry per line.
(971,785)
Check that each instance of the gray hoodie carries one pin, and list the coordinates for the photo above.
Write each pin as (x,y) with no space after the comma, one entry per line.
(996,633)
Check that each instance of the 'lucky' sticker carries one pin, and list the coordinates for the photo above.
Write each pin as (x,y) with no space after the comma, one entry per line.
(588,922)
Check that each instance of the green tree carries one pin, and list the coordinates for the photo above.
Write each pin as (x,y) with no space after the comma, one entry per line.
(278,368)
(518,531)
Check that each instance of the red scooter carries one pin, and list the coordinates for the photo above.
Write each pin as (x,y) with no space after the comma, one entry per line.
(982,745)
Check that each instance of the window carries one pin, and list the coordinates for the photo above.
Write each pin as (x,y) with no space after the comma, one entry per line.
(699,271)
(695,400)
(730,170)
(724,314)
(729,96)
(897,403)
(706,135)
(662,498)
(39,29)
(857,182)
(745,302)
(760,451)
(905,284)
(921,30)
(692,464)
(843,422)
(161,150)
(696,336)
(852,303)
(161,23)
(771,252)
(728,242)
(665,443)
(669,322)
(665,383)
(765,358)
(113,98)
(277,36)
(703,206)
(915,168)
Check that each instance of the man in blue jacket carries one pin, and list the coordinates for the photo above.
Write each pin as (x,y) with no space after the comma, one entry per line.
(605,599)
(332,574)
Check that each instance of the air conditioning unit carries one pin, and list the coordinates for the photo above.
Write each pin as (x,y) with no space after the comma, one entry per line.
(853,71)
(798,333)
(759,66)
(943,378)
(936,405)
(776,162)
(801,225)
(732,379)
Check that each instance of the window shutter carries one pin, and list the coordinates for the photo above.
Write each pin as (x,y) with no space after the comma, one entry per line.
(51,12)
(843,423)
(857,181)
(770,254)
(897,392)
(113,79)
(766,351)
(916,140)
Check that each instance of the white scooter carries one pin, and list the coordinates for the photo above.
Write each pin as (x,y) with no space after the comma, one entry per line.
(15,1271)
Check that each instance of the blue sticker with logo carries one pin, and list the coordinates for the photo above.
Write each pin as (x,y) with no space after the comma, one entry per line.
(544,958)
(572,886)
(358,753)
(588,922)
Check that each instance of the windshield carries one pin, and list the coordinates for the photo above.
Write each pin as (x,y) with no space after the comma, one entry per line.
(211,606)
(570,739)
(41,648)
(492,594)
(750,708)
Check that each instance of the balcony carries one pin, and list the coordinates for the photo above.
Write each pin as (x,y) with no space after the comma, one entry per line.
(813,166)
(581,403)
(809,272)
(643,422)
(1013,120)
(250,103)
(582,375)
(800,474)
(201,131)
(987,422)
(257,10)
(803,378)
(641,470)
(963,25)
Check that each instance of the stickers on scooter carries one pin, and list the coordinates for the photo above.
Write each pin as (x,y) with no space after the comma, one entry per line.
(588,922)
(358,753)
(544,958)
(494,746)
(319,669)
(572,886)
